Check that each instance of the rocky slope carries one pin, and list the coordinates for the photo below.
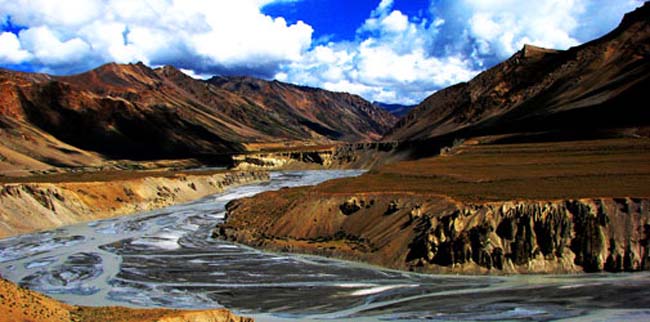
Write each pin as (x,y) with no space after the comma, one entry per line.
(311,112)
(582,91)
(32,206)
(346,156)
(483,207)
(20,304)
(137,113)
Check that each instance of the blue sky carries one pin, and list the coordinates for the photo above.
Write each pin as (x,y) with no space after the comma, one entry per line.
(395,51)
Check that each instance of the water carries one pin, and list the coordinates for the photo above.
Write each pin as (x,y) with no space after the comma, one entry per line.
(167,258)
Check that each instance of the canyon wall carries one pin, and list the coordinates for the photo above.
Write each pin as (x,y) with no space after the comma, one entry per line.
(28,207)
(437,234)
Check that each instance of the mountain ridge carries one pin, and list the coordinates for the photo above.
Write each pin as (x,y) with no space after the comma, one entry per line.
(131,111)
(541,89)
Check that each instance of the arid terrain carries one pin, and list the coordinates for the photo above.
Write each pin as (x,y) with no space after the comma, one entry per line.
(482,207)
(540,164)
(117,112)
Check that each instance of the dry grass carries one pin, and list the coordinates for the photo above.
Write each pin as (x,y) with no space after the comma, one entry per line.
(473,172)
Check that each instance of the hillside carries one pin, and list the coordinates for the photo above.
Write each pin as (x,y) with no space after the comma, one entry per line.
(586,90)
(138,113)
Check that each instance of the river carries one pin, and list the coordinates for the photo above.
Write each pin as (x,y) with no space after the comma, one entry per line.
(167,258)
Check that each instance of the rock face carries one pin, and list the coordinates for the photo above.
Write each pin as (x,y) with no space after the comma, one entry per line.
(28,207)
(591,235)
(438,234)
(137,113)
(590,88)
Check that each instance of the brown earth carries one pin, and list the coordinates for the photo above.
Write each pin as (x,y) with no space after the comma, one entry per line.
(483,207)
(56,200)
(18,304)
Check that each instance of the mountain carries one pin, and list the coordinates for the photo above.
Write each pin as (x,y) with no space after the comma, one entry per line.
(135,112)
(398,110)
(595,87)
(312,112)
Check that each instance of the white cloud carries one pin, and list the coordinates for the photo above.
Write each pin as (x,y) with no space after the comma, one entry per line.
(394,57)
(395,22)
(10,50)
(206,36)
(390,61)
(48,49)
(503,26)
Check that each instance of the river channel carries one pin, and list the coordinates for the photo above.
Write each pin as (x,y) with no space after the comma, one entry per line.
(167,258)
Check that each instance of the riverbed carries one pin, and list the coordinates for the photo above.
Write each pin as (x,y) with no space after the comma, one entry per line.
(167,258)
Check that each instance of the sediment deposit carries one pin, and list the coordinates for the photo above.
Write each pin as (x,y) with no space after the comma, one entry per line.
(29,207)
(20,304)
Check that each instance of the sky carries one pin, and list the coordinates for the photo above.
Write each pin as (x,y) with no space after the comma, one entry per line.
(391,51)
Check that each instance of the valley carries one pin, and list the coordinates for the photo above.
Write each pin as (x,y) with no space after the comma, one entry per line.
(140,193)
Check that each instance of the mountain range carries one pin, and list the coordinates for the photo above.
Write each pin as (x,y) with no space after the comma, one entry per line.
(135,112)
(138,113)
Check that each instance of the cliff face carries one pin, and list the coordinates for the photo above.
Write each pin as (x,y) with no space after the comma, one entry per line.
(28,207)
(431,233)
(590,88)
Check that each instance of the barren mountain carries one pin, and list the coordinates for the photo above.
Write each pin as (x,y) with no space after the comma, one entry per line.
(135,112)
(312,112)
(598,86)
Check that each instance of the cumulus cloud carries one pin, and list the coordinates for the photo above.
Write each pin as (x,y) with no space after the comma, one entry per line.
(394,57)
(204,36)
(390,60)
(11,52)
(504,26)
(492,30)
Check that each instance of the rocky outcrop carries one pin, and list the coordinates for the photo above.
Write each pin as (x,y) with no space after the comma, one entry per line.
(347,156)
(590,235)
(437,234)
(29,207)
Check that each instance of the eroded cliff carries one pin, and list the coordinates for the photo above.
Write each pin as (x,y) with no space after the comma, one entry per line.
(483,207)
(437,234)
(30,207)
